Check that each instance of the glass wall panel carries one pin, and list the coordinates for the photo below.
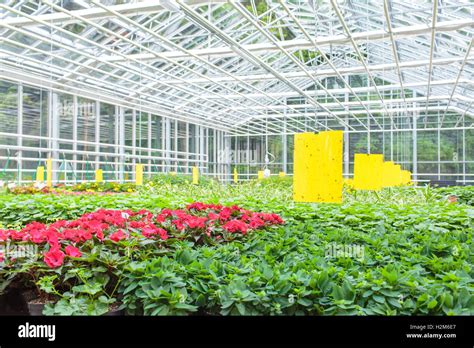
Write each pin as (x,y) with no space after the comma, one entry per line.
(86,109)
(427,145)
(35,123)
(157,165)
(142,133)
(108,136)
(8,124)
(65,116)
(129,120)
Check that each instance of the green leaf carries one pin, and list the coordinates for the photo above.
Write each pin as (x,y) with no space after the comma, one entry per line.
(432,304)
(379,299)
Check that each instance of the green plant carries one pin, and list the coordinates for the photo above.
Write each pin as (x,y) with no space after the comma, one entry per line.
(417,252)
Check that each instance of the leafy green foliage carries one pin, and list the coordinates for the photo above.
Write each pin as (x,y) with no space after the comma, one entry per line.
(417,255)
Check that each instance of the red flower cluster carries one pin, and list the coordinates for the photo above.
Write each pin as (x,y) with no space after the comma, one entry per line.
(235,219)
(117,225)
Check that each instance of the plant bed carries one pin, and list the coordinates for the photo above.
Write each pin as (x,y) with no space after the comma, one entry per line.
(80,189)
(77,266)
(417,255)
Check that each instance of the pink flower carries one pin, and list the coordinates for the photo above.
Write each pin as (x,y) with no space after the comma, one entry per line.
(72,251)
(59,224)
(4,234)
(161,218)
(196,222)
(213,216)
(52,237)
(72,235)
(225,214)
(151,230)
(16,235)
(117,236)
(100,235)
(84,235)
(271,218)
(256,222)
(179,224)
(54,257)
(163,234)
(197,206)
(137,224)
(235,226)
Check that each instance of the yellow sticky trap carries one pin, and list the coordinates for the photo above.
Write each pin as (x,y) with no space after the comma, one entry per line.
(368,171)
(40,174)
(49,172)
(376,163)
(391,174)
(304,150)
(318,167)
(99,176)
(260,175)
(139,174)
(195,175)
(236,176)
(406,177)
(173,173)
(386,171)
(330,180)
(397,175)
(281,174)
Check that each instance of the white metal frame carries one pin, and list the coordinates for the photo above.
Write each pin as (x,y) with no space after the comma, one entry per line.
(374,68)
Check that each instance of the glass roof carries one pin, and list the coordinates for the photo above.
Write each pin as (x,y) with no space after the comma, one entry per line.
(254,66)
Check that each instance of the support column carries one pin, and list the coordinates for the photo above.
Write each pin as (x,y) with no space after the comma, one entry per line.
(214,150)
(284,140)
(20,133)
(149,143)
(463,153)
(196,147)
(188,167)
(121,139)
(439,148)
(248,157)
(227,166)
(368,118)
(415,143)
(97,134)
(54,128)
(202,147)
(134,141)
(74,135)
(159,143)
(346,140)
(116,141)
(167,141)
(175,140)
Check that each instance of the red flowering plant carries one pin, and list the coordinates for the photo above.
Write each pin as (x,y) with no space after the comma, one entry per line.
(228,223)
(103,242)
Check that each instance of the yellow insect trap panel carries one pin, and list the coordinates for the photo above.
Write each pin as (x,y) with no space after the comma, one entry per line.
(318,167)
(368,171)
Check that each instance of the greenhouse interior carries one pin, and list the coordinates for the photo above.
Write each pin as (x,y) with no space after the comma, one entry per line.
(224,157)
